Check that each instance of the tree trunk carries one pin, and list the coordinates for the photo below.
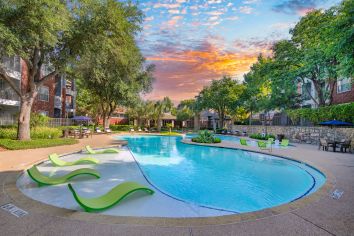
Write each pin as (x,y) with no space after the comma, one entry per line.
(250,120)
(196,122)
(159,124)
(23,132)
(106,121)
(221,120)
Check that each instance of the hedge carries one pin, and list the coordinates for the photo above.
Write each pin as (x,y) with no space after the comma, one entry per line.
(35,143)
(37,133)
(342,112)
(121,127)
(260,137)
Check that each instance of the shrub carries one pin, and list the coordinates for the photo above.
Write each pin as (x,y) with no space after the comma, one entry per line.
(206,137)
(260,137)
(45,133)
(9,133)
(38,120)
(37,133)
(36,143)
(343,112)
(120,127)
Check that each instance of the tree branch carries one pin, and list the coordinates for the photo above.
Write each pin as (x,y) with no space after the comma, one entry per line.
(9,80)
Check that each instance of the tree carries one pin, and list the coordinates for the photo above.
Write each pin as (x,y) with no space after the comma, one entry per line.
(161,107)
(222,96)
(88,103)
(142,111)
(36,31)
(112,67)
(340,34)
(185,110)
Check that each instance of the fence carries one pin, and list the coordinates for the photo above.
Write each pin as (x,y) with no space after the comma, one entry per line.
(53,122)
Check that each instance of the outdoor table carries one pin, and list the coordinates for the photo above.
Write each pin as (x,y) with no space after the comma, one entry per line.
(334,143)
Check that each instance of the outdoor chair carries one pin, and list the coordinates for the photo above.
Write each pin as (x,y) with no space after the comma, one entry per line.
(344,145)
(263,146)
(42,180)
(98,130)
(108,200)
(243,142)
(146,130)
(108,130)
(323,144)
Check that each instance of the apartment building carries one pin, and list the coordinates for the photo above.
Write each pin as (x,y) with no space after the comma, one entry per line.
(56,97)
(343,92)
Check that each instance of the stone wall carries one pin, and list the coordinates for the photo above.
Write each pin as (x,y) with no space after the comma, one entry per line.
(298,134)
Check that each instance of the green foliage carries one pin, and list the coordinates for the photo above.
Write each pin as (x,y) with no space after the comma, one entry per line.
(206,136)
(37,133)
(38,120)
(9,133)
(260,137)
(36,143)
(222,95)
(112,67)
(121,127)
(343,112)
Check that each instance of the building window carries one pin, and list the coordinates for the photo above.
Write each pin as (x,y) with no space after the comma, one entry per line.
(306,89)
(12,63)
(344,85)
(43,94)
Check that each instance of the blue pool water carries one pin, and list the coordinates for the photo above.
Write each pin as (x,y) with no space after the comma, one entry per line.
(226,179)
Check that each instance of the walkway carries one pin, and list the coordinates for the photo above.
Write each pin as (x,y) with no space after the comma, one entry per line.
(326,216)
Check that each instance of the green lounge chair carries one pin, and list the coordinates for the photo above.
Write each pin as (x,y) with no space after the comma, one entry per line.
(270,140)
(114,196)
(284,143)
(45,180)
(54,158)
(263,146)
(106,151)
(243,142)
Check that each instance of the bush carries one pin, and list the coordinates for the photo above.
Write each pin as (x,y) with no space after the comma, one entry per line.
(38,120)
(260,137)
(45,133)
(206,137)
(37,133)
(343,112)
(36,143)
(9,133)
(121,127)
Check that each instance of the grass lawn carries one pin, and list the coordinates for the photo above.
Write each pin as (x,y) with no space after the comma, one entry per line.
(35,143)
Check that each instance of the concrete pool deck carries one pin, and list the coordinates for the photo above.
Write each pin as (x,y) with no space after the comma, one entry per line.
(324,216)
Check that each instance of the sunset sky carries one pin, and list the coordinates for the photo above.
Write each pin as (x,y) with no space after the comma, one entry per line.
(192,42)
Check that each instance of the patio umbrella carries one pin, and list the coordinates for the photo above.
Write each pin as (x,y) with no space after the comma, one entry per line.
(81,119)
(335,123)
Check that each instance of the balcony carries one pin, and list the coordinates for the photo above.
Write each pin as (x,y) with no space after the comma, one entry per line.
(13,74)
(9,98)
(70,92)
(57,102)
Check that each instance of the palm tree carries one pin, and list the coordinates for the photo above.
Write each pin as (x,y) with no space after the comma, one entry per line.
(160,108)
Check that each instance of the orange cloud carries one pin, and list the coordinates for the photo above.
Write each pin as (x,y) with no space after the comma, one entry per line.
(182,74)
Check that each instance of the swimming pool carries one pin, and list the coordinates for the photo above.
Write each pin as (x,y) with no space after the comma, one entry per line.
(226,179)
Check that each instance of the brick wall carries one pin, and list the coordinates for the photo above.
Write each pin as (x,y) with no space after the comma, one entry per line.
(46,105)
(345,97)
(39,105)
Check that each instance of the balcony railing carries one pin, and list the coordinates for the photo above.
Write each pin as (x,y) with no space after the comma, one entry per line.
(9,95)
(70,92)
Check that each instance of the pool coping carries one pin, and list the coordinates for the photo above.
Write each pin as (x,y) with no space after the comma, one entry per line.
(17,197)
